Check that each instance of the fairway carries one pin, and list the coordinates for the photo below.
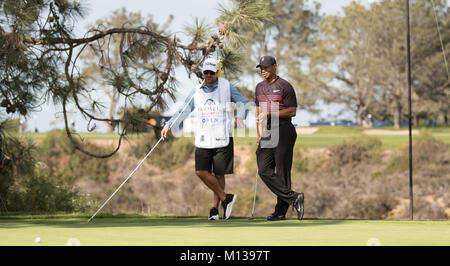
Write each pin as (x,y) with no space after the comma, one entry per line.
(141,230)
(325,137)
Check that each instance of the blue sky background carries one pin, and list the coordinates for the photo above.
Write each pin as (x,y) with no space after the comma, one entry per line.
(184,12)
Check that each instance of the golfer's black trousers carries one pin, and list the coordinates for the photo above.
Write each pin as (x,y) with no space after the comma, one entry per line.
(274,167)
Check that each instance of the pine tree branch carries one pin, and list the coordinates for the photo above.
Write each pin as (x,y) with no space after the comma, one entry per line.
(78,41)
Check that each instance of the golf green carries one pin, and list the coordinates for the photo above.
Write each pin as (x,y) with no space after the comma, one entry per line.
(141,230)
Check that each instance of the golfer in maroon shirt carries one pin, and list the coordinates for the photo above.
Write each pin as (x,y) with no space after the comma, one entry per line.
(276,104)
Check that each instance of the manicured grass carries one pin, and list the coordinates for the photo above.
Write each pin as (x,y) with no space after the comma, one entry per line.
(192,231)
(338,130)
(326,136)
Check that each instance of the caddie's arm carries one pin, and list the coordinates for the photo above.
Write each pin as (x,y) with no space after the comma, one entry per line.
(177,117)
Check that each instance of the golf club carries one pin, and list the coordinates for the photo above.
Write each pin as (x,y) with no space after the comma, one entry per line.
(254,196)
(148,154)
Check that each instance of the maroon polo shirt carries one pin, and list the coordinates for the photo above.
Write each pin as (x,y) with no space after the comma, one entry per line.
(280,91)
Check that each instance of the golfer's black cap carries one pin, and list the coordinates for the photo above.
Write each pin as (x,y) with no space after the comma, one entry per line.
(266,60)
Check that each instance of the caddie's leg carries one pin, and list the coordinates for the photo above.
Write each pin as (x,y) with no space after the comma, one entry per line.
(221,179)
(212,183)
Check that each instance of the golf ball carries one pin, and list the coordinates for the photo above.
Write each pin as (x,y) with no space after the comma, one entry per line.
(38,240)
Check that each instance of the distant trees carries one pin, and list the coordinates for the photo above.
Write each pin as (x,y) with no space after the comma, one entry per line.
(433,76)
(289,37)
(341,64)
(389,55)
(359,59)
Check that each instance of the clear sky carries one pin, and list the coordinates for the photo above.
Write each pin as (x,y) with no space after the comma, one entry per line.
(184,12)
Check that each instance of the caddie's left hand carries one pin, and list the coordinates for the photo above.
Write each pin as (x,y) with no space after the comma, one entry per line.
(164,132)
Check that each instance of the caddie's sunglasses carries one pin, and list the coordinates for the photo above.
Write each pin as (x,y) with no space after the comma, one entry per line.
(207,72)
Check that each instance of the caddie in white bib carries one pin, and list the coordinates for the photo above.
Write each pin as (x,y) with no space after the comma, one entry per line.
(213,126)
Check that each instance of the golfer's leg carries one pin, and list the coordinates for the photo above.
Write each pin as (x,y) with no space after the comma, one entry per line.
(281,207)
(266,167)
(266,170)
(283,160)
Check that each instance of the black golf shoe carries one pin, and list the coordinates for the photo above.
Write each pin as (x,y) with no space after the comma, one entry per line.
(298,205)
(227,205)
(213,214)
(276,217)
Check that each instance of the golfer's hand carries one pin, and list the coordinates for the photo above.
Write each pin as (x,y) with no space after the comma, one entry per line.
(259,130)
(164,132)
(261,117)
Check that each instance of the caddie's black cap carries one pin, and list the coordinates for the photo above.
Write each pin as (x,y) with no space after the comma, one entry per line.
(266,60)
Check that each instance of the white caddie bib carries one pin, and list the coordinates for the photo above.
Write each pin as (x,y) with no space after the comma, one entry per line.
(213,116)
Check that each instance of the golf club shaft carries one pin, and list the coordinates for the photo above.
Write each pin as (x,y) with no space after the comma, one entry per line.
(129,176)
(254,196)
(148,154)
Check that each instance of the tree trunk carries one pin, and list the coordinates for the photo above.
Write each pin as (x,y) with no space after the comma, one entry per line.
(397,115)
(358,120)
(112,109)
(359,116)
(109,128)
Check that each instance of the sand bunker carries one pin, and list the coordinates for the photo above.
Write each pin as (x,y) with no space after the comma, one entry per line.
(387,132)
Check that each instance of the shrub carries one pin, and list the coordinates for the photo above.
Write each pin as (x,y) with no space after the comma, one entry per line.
(181,148)
(375,203)
(364,207)
(26,186)
(143,144)
(243,206)
(424,209)
(251,165)
(300,162)
(21,164)
(426,150)
(42,194)
(355,150)
(64,162)
(322,200)
(170,153)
